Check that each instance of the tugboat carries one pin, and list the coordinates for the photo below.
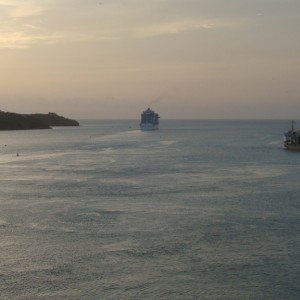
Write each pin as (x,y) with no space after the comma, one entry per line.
(292,139)
(149,120)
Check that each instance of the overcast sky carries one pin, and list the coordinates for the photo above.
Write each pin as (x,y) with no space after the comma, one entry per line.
(183,58)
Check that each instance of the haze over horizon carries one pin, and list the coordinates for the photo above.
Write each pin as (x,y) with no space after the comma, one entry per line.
(193,59)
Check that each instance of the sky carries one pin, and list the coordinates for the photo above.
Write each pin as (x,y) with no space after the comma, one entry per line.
(186,59)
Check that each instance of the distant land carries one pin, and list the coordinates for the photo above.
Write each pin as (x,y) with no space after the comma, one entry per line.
(13,121)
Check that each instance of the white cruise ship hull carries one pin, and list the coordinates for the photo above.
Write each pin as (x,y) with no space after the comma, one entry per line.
(148,126)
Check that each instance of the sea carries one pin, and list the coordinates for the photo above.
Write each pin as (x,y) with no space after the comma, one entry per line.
(199,209)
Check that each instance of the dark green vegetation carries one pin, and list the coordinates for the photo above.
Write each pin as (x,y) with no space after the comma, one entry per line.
(13,121)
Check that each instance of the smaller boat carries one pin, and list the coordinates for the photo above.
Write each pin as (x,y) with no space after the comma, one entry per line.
(149,120)
(292,139)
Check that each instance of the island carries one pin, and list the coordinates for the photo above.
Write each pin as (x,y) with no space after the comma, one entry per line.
(14,121)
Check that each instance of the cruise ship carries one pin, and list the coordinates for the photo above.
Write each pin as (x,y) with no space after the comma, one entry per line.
(149,120)
(292,139)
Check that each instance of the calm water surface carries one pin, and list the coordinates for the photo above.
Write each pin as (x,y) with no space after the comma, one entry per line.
(195,210)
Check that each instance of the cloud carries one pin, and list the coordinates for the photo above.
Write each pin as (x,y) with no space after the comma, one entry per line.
(26,23)
(208,25)
(27,10)
(21,40)
(15,31)
(170,28)
(30,26)
(20,9)
(9,2)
